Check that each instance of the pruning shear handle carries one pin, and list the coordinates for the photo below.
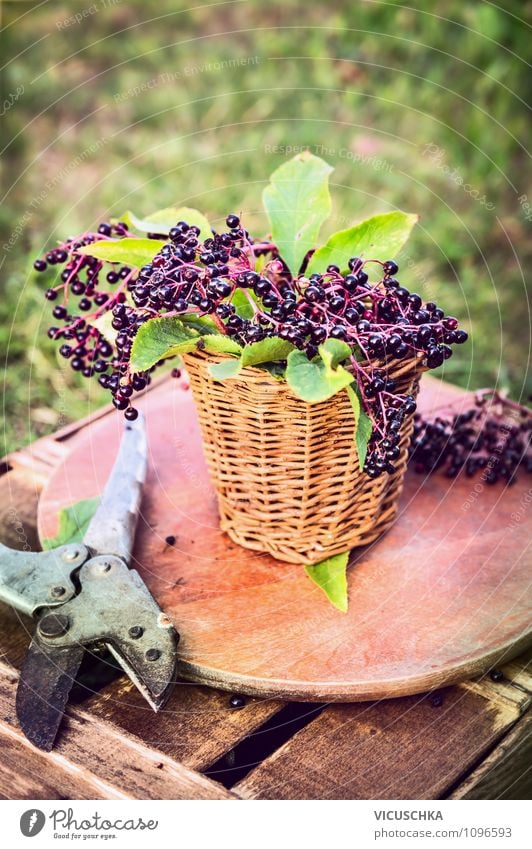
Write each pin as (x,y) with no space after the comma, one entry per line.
(85,595)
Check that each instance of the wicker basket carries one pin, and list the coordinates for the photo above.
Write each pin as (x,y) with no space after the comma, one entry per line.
(286,472)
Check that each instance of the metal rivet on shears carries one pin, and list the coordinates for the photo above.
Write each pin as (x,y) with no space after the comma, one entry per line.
(54,625)
(136,632)
(152,654)
(57,592)
(70,555)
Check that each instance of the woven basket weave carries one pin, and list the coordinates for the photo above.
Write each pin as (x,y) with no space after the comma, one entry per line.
(286,473)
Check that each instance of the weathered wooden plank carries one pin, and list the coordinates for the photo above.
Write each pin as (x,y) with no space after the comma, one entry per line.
(92,760)
(19,495)
(507,772)
(519,672)
(196,727)
(411,748)
(38,459)
(15,636)
(507,690)
(26,773)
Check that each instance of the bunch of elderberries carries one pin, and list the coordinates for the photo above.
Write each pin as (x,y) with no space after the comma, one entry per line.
(380,321)
(493,437)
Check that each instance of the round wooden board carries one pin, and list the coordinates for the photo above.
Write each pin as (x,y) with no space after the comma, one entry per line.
(443,596)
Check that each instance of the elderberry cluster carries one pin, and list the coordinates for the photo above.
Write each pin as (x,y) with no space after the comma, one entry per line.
(99,287)
(493,437)
(382,322)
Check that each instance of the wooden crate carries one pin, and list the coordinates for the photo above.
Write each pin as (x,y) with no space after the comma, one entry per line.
(467,741)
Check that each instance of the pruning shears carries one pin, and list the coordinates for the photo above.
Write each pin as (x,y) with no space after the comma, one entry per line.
(85,597)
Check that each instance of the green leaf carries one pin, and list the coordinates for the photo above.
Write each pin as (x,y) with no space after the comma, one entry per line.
(314,380)
(164,219)
(380,237)
(364,431)
(225,369)
(202,323)
(218,344)
(242,304)
(258,353)
(297,202)
(363,427)
(334,351)
(135,252)
(160,338)
(73,523)
(330,576)
(266,351)
(277,370)
(260,262)
(104,324)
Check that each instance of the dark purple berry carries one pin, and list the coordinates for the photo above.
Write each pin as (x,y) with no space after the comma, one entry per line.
(390,267)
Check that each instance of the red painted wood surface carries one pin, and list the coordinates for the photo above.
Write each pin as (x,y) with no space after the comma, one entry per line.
(444,595)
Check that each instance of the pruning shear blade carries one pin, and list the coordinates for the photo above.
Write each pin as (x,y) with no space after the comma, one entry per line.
(112,528)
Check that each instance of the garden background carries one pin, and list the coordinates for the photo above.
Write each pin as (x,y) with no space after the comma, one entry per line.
(113,105)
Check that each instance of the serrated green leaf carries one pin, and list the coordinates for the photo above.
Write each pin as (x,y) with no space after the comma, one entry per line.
(266,351)
(330,576)
(315,380)
(363,427)
(134,252)
(225,369)
(202,323)
(73,523)
(163,220)
(297,202)
(160,338)
(218,344)
(380,237)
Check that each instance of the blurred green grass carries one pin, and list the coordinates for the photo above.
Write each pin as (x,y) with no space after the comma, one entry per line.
(404,103)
